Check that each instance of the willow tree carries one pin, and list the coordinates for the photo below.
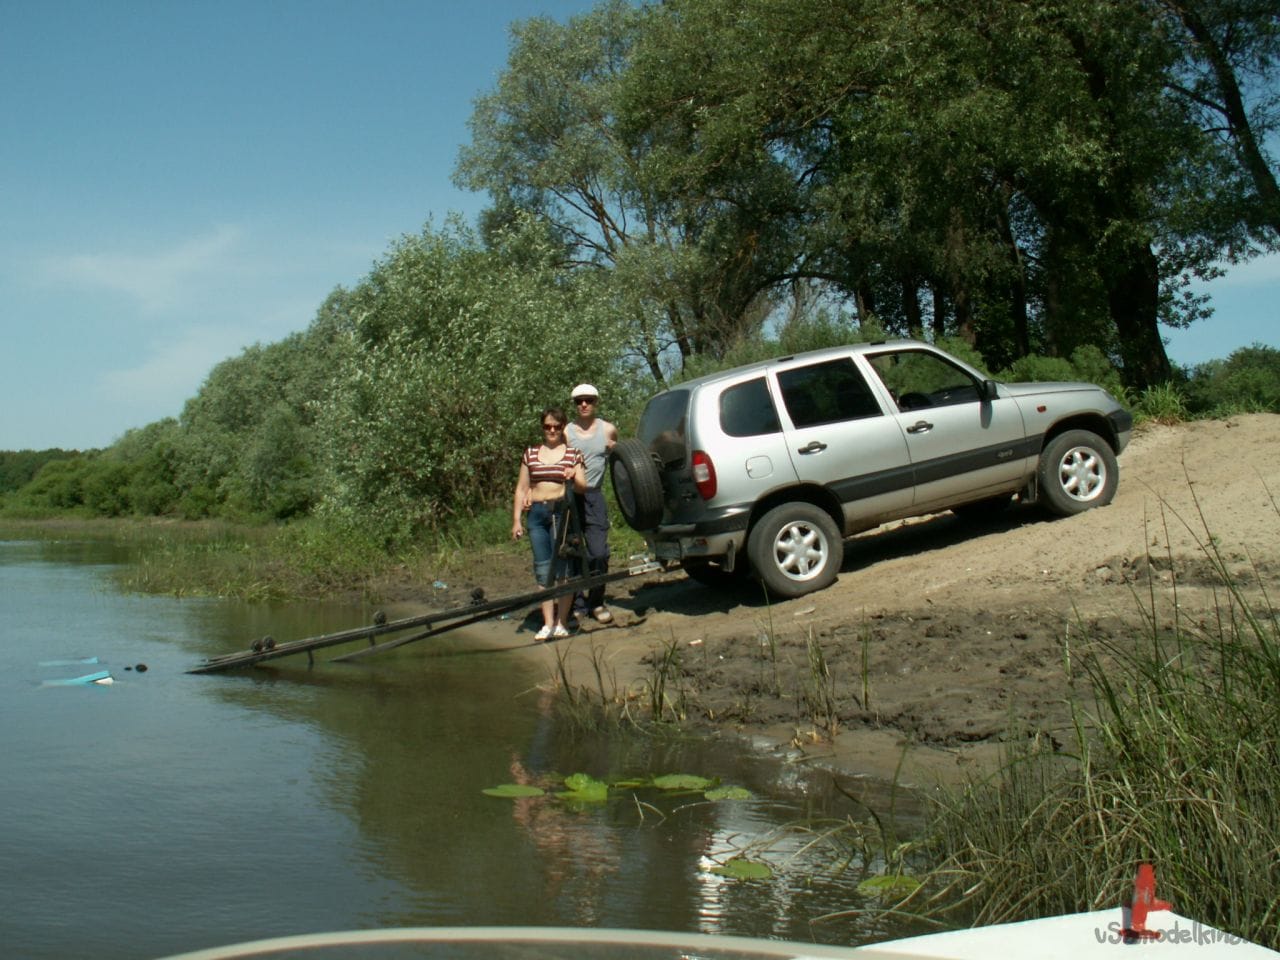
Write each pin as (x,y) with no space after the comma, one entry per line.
(1229,56)
(558,138)
(1023,166)
(451,347)
(247,443)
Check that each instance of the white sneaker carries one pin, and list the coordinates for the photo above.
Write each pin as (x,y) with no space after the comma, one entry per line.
(542,634)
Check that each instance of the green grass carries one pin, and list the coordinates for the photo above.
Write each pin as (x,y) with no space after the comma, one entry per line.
(1176,766)
(1162,403)
(299,560)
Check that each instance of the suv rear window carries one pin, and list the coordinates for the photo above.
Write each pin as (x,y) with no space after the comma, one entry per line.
(828,392)
(662,426)
(746,410)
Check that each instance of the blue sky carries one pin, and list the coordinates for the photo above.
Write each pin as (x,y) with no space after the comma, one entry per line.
(179,180)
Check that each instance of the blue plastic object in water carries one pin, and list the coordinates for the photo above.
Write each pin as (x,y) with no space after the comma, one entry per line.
(101,676)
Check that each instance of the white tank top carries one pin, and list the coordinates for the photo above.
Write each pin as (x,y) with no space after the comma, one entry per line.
(594,447)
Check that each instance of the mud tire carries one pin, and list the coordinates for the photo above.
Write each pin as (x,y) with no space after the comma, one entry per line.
(1077,472)
(795,549)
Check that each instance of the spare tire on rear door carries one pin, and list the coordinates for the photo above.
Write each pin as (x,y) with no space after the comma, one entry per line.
(636,484)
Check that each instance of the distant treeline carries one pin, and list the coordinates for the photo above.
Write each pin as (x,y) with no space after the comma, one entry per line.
(1033,184)
(19,467)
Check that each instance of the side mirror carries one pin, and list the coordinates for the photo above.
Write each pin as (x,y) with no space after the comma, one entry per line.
(988,391)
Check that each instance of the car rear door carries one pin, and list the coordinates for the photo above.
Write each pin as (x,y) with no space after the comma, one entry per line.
(841,436)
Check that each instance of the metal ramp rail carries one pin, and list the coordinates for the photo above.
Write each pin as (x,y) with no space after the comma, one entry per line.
(436,623)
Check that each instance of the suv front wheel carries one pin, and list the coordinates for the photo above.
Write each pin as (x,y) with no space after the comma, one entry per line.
(795,549)
(1078,471)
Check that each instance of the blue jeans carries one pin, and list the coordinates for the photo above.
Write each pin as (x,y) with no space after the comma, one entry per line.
(546,530)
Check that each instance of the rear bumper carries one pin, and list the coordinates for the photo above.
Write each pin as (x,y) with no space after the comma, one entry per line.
(720,537)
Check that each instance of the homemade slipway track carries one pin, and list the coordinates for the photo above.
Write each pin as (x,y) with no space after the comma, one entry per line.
(434,624)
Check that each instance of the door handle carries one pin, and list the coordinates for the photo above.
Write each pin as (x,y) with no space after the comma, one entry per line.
(813,446)
(920,426)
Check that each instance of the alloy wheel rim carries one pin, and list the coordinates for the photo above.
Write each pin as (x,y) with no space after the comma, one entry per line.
(1082,474)
(800,551)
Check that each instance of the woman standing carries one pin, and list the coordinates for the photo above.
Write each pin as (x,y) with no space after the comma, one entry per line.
(545,472)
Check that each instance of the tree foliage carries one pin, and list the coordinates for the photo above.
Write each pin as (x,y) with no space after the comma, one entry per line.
(247,436)
(688,270)
(1029,177)
(1225,75)
(18,467)
(1248,381)
(450,355)
(681,185)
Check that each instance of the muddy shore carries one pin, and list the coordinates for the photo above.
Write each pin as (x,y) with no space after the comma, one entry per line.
(944,640)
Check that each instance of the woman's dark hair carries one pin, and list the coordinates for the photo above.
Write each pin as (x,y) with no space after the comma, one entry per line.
(555,413)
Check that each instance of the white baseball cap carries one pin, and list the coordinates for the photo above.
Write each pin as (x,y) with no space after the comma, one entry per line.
(584,390)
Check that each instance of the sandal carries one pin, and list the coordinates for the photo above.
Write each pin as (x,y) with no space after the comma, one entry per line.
(542,635)
(559,633)
(602,615)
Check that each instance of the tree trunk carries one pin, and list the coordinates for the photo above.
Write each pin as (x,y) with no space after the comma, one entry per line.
(1018,285)
(1054,307)
(964,315)
(911,308)
(939,311)
(1133,296)
(864,301)
(1232,108)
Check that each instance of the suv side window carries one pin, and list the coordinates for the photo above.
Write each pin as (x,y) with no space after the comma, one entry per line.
(746,410)
(829,392)
(917,379)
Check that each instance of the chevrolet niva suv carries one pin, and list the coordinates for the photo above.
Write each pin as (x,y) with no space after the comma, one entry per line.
(767,468)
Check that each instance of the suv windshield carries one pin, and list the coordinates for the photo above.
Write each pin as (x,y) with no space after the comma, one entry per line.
(916,379)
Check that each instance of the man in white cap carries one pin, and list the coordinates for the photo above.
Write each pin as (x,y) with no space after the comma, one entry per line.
(595,438)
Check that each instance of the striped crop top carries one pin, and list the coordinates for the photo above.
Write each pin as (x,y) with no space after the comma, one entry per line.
(540,472)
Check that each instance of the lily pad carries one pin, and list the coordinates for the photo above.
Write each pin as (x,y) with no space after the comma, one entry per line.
(682,781)
(889,887)
(739,868)
(728,793)
(513,790)
(585,789)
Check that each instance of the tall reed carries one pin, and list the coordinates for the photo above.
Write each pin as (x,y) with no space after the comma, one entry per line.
(1176,766)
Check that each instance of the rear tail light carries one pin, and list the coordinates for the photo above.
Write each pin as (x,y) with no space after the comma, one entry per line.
(704,474)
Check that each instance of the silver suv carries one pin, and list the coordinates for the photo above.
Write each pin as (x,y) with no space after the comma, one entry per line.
(767,468)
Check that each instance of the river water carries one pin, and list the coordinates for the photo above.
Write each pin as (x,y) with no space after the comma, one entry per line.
(169,812)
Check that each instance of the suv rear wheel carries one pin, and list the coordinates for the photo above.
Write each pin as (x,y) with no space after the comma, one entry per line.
(636,484)
(795,549)
(1078,471)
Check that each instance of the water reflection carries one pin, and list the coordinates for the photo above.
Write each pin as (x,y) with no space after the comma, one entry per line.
(172,811)
(576,864)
